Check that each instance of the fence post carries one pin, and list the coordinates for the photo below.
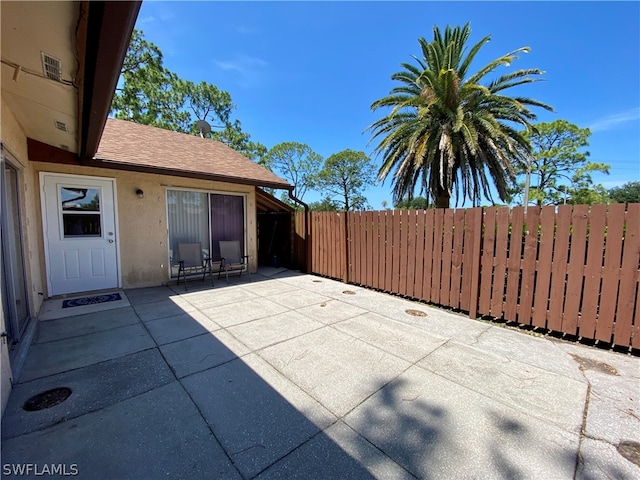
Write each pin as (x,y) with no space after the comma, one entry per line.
(347,239)
(476,229)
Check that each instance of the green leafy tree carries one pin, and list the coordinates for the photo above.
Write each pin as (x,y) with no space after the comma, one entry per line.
(344,178)
(447,133)
(296,163)
(560,169)
(150,94)
(325,205)
(627,193)
(416,203)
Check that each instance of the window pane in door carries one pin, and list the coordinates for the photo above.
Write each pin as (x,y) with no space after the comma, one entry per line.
(76,225)
(227,221)
(188,216)
(80,199)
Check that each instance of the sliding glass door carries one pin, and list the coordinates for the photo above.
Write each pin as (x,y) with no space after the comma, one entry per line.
(195,216)
(14,292)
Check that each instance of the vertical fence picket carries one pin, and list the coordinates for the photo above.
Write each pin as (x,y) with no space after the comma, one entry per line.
(559,268)
(395,278)
(488,254)
(500,262)
(456,258)
(628,277)
(471,276)
(593,271)
(514,264)
(611,272)
(375,252)
(420,237)
(543,270)
(532,221)
(388,266)
(575,269)
(411,254)
(437,255)
(447,250)
(428,255)
(370,253)
(404,238)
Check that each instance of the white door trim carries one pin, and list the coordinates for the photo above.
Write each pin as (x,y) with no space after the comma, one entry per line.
(43,211)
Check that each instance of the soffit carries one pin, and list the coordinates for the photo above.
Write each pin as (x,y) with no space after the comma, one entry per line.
(29,28)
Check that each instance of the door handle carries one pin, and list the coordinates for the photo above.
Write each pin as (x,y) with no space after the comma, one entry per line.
(110,241)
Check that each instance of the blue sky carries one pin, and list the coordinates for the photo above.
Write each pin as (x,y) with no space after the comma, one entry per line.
(309,71)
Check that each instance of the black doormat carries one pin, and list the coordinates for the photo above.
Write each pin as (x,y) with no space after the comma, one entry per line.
(79,302)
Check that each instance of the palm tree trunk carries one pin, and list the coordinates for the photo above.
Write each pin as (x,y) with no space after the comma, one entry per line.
(442,200)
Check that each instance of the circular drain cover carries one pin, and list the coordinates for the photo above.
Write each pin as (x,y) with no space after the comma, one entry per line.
(630,451)
(349,292)
(415,313)
(47,399)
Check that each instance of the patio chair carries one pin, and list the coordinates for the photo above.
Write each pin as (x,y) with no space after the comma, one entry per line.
(192,260)
(232,259)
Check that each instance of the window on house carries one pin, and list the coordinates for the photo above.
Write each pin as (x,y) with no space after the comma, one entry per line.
(206,218)
(80,212)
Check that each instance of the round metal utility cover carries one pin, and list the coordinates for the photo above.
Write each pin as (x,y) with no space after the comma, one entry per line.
(47,399)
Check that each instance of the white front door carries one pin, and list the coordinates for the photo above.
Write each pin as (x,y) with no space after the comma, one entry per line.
(80,233)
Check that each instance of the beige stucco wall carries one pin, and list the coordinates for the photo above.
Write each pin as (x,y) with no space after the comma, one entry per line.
(14,141)
(142,223)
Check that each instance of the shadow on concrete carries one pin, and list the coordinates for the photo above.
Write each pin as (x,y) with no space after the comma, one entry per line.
(131,416)
(204,406)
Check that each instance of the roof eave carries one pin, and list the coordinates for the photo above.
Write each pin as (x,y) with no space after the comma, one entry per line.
(108,32)
(102,163)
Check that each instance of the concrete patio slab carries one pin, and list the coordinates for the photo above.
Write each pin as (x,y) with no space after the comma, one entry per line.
(163,308)
(338,452)
(85,324)
(139,296)
(256,414)
(517,345)
(510,383)
(351,387)
(263,332)
(210,298)
(93,387)
(245,311)
(614,413)
(336,369)
(118,441)
(435,428)
(405,341)
(266,288)
(76,352)
(199,353)
(437,322)
(599,459)
(299,298)
(178,327)
(332,311)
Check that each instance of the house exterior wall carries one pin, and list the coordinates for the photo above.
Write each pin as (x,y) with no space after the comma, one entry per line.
(142,222)
(14,141)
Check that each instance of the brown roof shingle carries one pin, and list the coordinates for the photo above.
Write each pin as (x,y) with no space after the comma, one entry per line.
(151,149)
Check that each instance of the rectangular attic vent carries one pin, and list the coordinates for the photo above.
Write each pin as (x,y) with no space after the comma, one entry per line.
(61,126)
(52,67)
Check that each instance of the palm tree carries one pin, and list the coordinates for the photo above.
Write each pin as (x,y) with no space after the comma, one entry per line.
(445,132)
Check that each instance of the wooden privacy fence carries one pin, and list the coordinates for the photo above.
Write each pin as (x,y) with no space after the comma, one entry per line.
(570,269)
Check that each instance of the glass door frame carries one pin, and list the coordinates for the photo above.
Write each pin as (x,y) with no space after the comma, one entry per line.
(244,196)
(10,233)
